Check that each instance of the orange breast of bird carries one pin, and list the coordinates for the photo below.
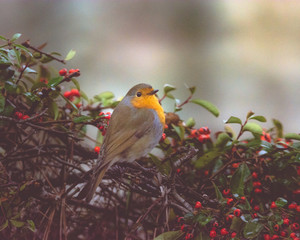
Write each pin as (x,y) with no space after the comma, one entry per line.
(150,102)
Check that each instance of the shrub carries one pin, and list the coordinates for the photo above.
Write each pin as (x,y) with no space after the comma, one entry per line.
(228,188)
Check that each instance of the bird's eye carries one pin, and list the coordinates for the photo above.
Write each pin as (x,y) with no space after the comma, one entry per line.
(138,94)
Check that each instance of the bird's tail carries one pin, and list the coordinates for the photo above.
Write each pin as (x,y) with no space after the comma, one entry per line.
(89,189)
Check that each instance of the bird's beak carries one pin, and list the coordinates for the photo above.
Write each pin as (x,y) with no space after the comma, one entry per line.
(152,92)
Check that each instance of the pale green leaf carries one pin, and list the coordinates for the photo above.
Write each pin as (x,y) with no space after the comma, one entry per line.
(168,88)
(253,128)
(207,105)
(70,55)
(259,118)
(15,37)
(233,119)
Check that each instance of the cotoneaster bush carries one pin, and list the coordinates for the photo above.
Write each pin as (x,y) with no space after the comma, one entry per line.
(204,185)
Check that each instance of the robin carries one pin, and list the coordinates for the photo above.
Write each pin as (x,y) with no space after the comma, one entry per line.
(135,128)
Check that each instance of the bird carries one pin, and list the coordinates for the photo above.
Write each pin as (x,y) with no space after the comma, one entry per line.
(135,128)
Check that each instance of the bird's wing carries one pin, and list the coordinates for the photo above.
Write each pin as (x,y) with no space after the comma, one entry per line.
(132,124)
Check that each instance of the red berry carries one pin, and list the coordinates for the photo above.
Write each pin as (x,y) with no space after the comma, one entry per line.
(18,115)
(163,137)
(298,208)
(286,221)
(257,190)
(178,170)
(256,208)
(97,149)
(215,224)
(183,227)
(273,205)
(254,175)
(212,233)
(275,237)
(229,217)
(77,71)
(229,201)
(224,231)
(75,92)
(292,206)
(283,233)
(237,212)
(267,237)
(235,165)
(67,94)
(233,234)
(201,138)
(256,184)
(293,235)
(63,72)
(243,199)
(189,236)
(254,215)
(180,219)
(295,226)
(226,192)
(206,172)
(25,117)
(276,227)
(198,205)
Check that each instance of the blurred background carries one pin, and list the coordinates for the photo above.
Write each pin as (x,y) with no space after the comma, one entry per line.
(241,56)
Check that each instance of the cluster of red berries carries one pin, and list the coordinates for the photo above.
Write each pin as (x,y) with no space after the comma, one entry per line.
(64,72)
(20,115)
(102,127)
(202,134)
(73,96)
(283,142)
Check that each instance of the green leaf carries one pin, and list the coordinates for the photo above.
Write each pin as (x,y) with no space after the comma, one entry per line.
(23,48)
(236,224)
(31,225)
(15,37)
(259,118)
(233,119)
(82,119)
(207,159)
(163,167)
(172,235)
(168,88)
(207,105)
(281,202)
(18,56)
(222,140)
(55,81)
(70,55)
(3,38)
(294,136)
(190,122)
(76,83)
(2,102)
(279,128)
(203,219)
(238,180)
(104,96)
(53,110)
(218,193)
(4,225)
(179,130)
(254,128)
(169,95)
(252,229)
(17,223)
